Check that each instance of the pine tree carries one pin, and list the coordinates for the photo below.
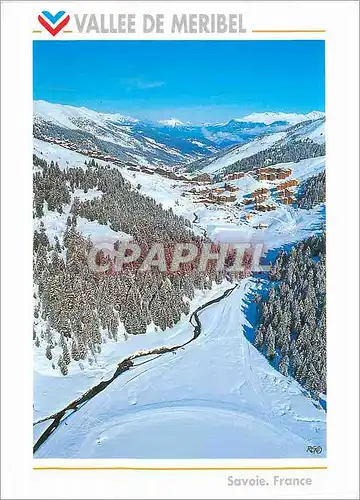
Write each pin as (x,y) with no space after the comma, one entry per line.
(284,365)
(48,352)
(62,365)
(259,338)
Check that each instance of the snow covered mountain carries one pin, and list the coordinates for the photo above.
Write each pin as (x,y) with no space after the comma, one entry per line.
(311,131)
(290,118)
(172,122)
(74,117)
(167,142)
(120,136)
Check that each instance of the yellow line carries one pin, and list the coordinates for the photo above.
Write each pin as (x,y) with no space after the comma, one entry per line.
(37,31)
(67,31)
(181,468)
(289,31)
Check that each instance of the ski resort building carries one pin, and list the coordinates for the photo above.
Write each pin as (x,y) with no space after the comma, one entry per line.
(234,176)
(230,187)
(288,201)
(287,184)
(264,208)
(272,174)
(203,178)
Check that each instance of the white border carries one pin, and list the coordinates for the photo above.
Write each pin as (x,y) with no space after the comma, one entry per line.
(340,480)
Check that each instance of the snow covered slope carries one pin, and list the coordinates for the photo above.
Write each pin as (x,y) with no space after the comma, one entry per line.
(74,117)
(113,134)
(248,149)
(216,398)
(313,130)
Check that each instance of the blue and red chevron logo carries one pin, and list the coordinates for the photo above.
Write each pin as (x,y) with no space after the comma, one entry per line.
(53,23)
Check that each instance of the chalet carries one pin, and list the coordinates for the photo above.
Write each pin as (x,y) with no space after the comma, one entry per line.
(283,173)
(287,184)
(203,178)
(285,193)
(288,201)
(260,197)
(264,208)
(260,191)
(230,187)
(225,198)
(263,170)
(271,173)
(248,201)
(234,175)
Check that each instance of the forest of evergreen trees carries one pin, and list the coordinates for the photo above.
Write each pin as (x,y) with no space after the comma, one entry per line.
(77,309)
(313,191)
(49,184)
(292,317)
(82,308)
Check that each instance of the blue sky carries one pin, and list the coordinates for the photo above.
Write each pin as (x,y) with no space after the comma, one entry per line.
(195,81)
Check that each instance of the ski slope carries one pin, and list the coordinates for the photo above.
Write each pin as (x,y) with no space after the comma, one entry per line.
(240,152)
(216,398)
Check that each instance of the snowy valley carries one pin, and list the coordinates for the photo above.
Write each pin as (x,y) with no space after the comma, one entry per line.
(178,366)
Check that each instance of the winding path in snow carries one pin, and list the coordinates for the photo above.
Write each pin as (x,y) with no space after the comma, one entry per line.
(125,365)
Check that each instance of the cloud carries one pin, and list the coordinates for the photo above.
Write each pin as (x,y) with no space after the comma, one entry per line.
(141,84)
(149,85)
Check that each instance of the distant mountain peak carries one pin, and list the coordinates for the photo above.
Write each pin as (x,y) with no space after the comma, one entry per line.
(172,122)
(271,117)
